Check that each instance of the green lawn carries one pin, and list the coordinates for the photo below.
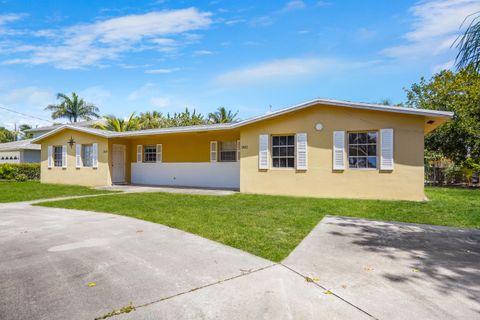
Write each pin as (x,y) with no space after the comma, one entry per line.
(272,226)
(11,191)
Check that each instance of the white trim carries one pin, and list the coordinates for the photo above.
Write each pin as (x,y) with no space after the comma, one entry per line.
(213,151)
(50,156)
(64,156)
(94,155)
(159,152)
(78,155)
(338,150)
(301,150)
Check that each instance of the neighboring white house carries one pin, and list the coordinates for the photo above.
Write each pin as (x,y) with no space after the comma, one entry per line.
(21,151)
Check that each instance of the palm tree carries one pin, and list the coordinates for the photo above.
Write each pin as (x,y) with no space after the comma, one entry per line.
(468,45)
(73,108)
(113,123)
(222,116)
(152,120)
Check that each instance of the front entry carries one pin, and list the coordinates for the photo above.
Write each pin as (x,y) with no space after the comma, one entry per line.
(118,163)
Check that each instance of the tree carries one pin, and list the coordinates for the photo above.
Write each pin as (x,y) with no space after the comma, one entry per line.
(25,135)
(458,139)
(222,116)
(185,118)
(6,135)
(468,45)
(113,123)
(152,120)
(73,108)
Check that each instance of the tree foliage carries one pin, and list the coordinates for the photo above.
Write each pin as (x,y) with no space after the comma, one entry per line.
(6,135)
(73,108)
(468,45)
(113,123)
(222,115)
(458,139)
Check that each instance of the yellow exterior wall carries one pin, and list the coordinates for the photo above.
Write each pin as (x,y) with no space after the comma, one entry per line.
(184,147)
(404,182)
(71,175)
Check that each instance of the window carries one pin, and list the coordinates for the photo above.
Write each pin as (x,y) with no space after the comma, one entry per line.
(228,151)
(87,155)
(362,150)
(283,151)
(57,156)
(150,153)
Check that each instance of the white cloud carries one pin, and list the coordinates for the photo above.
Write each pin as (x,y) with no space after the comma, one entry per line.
(162,71)
(444,66)
(91,44)
(160,102)
(435,27)
(141,92)
(6,19)
(294,5)
(284,69)
(202,52)
(365,34)
(96,95)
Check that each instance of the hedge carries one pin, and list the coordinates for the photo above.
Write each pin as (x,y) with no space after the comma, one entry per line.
(20,172)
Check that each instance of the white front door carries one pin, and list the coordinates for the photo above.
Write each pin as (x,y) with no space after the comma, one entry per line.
(118,163)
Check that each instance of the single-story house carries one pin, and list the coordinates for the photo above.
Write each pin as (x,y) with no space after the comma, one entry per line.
(22,151)
(319,148)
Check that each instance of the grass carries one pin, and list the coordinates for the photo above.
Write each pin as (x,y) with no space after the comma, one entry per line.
(11,191)
(272,226)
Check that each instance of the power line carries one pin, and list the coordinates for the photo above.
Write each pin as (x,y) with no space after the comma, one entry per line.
(25,115)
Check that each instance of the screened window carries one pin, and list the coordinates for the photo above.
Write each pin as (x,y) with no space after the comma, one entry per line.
(57,156)
(362,150)
(283,151)
(87,155)
(228,151)
(150,153)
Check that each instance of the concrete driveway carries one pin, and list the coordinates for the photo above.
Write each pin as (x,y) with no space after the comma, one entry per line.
(365,269)
(48,257)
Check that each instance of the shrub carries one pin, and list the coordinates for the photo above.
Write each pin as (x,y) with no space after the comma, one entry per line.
(21,177)
(11,171)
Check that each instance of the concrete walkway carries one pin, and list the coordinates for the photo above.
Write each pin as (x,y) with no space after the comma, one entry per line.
(184,190)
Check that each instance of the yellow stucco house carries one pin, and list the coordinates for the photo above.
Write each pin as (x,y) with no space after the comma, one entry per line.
(320,148)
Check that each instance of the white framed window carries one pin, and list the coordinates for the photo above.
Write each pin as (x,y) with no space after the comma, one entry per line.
(228,151)
(362,150)
(57,156)
(150,153)
(283,151)
(87,155)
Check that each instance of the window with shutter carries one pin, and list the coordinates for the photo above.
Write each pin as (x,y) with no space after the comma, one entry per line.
(139,153)
(78,155)
(94,156)
(263,152)
(213,151)
(386,149)
(338,150)
(50,156)
(64,156)
(362,150)
(159,153)
(302,155)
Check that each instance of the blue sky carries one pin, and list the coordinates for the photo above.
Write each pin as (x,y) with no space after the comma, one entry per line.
(130,56)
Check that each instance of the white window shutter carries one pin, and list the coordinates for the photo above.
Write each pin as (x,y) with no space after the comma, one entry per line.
(386,149)
(159,153)
(64,156)
(213,151)
(139,153)
(263,151)
(339,150)
(301,150)
(95,155)
(78,155)
(238,150)
(50,156)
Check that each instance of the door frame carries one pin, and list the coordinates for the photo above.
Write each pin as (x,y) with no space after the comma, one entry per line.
(124,149)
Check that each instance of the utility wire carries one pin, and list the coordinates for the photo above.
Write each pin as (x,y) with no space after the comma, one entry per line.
(25,115)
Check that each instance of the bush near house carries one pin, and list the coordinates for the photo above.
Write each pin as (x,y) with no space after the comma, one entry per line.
(20,172)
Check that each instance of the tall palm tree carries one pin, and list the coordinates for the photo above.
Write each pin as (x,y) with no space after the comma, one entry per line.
(73,108)
(113,123)
(468,45)
(222,116)
(152,120)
